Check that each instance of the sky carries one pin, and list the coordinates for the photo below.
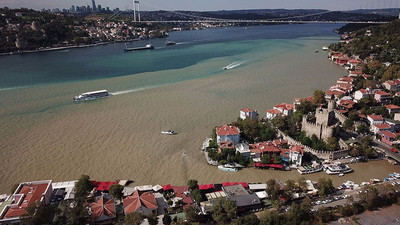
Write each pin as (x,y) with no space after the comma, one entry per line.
(203,5)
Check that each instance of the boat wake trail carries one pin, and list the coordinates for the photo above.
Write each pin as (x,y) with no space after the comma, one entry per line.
(131,90)
(233,65)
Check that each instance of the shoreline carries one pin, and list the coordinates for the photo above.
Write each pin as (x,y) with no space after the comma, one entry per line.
(64,48)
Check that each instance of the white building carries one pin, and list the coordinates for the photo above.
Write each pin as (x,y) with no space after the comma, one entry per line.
(362,93)
(243,149)
(375,119)
(285,108)
(228,133)
(248,113)
(272,113)
(296,154)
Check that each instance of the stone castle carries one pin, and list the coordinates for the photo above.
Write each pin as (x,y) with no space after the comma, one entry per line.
(325,124)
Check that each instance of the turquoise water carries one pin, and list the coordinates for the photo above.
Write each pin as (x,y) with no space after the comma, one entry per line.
(192,47)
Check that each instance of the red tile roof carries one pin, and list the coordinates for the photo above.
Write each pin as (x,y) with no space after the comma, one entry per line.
(263,147)
(285,106)
(247,110)
(134,202)
(382,93)
(388,134)
(32,193)
(392,106)
(206,186)
(382,126)
(274,111)
(103,207)
(375,117)
(227,130)
(167,187)
(297,148)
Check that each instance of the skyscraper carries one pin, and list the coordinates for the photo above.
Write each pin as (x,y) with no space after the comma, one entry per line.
(93,5)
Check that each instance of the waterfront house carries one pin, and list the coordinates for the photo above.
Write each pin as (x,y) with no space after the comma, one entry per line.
(376,128)
(248,113)
(272,113)
(102,209)
(375,119)
(355,73)
(382,96)
(27,194)
(353,63)
(363,93)
(144,203)
(285,108)
(388,137)
(296,154)
(346,80)
(259,149)
(285,155)
(182,192)
(393,109)
(243,150)
(228,133)
(330,94)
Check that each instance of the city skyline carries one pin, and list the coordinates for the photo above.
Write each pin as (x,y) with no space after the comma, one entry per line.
(206,5)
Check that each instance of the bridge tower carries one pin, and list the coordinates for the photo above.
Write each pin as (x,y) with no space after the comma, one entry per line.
(136,7)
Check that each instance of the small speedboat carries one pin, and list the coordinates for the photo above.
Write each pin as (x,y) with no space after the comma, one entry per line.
(341,175)
(225,68)
(169,132)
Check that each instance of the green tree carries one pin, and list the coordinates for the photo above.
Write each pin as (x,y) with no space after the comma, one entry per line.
(393,72)
(273,189)
(305,107)
(193,184)
(152,219)
(134,218)
(191,214)
(348,124)
(266,159)
(271,217)
(353,116)
(116,191)
(277,159)
(247,220)
(325,187)
(196,195)
(318,97)
(332,144)
(324,215)
(362,128)
(82,187)
(223,211)
(167,219)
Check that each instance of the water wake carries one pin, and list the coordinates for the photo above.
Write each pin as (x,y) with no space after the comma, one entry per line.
(233,65)
(131,90)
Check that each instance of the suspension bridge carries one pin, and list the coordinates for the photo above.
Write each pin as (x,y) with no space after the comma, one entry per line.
(188,17)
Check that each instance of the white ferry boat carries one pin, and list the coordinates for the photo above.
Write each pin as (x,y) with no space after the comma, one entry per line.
(338,168)
(91,95)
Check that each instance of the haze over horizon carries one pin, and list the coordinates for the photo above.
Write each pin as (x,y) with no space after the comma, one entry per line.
(207,5)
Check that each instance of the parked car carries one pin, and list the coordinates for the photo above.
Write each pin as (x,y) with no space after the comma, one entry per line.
(394,150)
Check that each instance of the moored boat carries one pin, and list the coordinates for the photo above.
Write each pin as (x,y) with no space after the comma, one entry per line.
(227,168)
(91,95)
